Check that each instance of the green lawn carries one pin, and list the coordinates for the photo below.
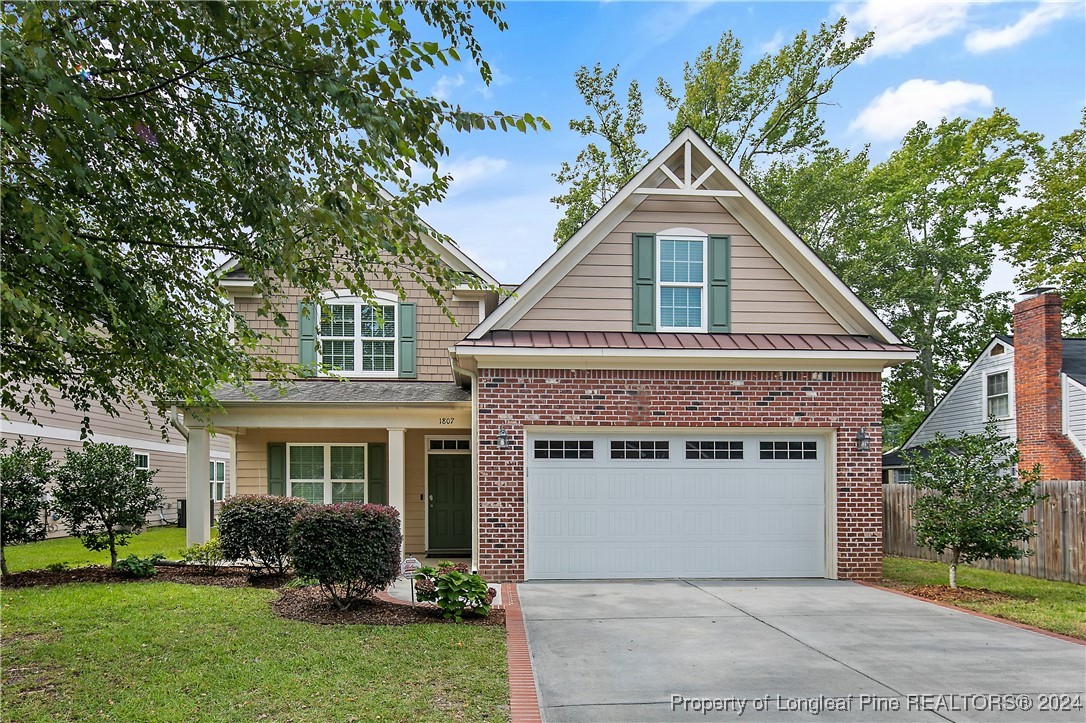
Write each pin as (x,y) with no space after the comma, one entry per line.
(166,652)
(1056,606)
(167,541)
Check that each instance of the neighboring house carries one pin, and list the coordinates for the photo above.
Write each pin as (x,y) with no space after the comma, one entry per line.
(1033,384)
(682,389)
(60,429)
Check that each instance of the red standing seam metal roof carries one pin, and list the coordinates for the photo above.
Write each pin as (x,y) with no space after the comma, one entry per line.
(680,341)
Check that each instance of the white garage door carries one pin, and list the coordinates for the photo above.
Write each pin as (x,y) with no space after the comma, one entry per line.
(643,506)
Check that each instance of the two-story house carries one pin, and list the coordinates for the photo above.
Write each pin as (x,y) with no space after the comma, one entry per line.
(682,389)
(61,428)
(1031,384)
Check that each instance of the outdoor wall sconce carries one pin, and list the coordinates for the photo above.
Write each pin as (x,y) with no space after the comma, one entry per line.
(863,440)
(503,438)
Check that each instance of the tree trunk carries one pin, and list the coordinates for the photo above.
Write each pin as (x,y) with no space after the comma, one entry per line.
(3,562)
(953,569)
(112,552)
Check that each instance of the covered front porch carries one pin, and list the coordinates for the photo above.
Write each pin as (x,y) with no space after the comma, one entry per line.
(416,456)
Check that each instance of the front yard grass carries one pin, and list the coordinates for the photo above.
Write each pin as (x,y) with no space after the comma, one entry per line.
(1056,606)
(166,540)
(165,651)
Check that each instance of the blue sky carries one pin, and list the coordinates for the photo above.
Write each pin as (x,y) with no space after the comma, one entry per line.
(929,60)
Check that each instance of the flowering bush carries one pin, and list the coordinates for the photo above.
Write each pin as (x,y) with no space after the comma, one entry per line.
(454,589)
(351,550)
(256,528)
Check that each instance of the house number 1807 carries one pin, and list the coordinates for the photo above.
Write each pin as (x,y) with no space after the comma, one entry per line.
(444,421)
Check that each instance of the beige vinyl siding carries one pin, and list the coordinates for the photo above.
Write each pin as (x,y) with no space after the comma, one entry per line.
(435,332)
(252,462)
(596,295)
(59,426)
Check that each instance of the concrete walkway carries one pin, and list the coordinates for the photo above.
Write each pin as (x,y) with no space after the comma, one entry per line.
(656,650)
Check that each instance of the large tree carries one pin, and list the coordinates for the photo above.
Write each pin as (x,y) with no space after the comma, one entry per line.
(145,142)
(1047,237)
(612,155)
(928,245)
(769,109)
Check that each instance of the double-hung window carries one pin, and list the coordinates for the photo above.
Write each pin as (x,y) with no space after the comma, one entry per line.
(218,481)
(358,339)
(327,473)
(141,460)
(681,286)
(997,395)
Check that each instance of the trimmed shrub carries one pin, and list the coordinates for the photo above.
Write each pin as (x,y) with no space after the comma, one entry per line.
(102,498)
(351,550)
(454,589)
(256,529)
(25,470)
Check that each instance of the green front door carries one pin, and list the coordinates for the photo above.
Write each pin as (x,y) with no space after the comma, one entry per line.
(450,502)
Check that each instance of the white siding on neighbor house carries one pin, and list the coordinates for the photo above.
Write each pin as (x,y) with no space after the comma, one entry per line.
(962,409)
(1075,401)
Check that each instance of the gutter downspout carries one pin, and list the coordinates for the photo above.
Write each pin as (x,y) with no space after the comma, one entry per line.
(175,422)
(473,376)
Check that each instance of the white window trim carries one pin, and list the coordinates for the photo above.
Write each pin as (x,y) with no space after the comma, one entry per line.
(984,397)
(136,460)
(684,235)
(216,465)
(328,469)
(380,299)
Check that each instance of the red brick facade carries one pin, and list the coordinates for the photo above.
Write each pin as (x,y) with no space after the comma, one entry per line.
(515,398)
(1038,359)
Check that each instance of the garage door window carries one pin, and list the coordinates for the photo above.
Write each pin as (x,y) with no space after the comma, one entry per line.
(714,450)
(563,449)
(788,450)
(636,449)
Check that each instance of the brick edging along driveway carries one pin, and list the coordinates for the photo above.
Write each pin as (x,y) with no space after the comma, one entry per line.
(523,697)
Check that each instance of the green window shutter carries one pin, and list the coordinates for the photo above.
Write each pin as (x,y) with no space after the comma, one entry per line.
(720,293)
(644,282)
(408,342)
(277,469)
(307,336)
(377,482)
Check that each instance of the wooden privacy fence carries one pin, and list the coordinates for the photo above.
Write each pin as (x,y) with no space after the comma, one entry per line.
(1058,550)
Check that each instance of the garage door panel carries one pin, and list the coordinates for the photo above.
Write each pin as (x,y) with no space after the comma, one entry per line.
(602,518)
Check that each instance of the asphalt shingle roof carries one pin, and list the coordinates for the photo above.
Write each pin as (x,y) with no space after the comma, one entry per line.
(1074,356)
(334,391)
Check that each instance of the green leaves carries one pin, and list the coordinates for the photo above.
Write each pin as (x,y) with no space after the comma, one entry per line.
(973,503)
(770,108)
(144,144)
(1047,238)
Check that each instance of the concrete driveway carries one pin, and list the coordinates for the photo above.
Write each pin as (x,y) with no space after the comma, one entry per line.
(623,651)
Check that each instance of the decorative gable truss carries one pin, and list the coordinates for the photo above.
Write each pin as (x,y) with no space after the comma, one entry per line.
(688,173)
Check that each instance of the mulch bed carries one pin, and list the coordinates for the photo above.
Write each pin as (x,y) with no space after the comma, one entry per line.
(944,594)
(309,605)
(225,577)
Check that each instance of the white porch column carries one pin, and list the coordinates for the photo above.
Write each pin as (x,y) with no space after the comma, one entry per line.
(198,486)
(396,477)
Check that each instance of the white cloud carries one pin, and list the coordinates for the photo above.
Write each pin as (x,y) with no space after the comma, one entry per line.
(468,171)
(773,44)
(497,79)
(445,85)
(897,110)
(1031,23)
(669,18)
(901,25)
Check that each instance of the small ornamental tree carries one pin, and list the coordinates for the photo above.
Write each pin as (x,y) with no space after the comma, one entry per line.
(102,497)
(25,470)
(971,504)
(352,550)
(256,529)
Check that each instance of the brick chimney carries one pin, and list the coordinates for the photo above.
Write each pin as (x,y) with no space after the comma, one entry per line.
(1038,404)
